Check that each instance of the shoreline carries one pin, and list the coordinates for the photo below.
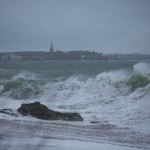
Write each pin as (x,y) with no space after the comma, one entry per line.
(23,133)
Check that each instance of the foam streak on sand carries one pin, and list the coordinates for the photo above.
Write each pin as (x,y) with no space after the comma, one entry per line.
(41,134)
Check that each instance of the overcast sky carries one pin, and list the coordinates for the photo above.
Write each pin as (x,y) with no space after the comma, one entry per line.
(107,26)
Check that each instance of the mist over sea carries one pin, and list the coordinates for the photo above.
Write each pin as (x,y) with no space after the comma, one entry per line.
(116,92)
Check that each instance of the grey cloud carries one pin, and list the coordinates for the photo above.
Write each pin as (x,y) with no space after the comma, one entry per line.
(103,25)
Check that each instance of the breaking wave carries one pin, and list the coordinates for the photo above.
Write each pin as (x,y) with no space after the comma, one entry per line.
(140,76)
(119,95)
(25,75)
(26,85)
(21,88)
(138,80)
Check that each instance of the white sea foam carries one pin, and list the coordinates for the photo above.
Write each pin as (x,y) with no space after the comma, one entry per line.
(103,98)
(107,96)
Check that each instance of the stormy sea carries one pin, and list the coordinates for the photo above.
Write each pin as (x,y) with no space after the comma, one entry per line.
(113,97)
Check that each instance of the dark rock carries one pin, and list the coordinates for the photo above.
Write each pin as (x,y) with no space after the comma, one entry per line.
(41,111)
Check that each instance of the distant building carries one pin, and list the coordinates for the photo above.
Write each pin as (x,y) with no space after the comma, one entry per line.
(51,48)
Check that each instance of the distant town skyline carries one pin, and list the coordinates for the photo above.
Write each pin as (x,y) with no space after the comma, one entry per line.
(104,26)
(71,55)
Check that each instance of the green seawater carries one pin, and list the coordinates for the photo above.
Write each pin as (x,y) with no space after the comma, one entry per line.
(29,79)
(59,70)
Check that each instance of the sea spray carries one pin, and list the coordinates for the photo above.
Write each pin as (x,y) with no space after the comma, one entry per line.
(142,67)
(111,94)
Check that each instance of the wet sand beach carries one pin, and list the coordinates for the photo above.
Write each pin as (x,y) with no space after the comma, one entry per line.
(64,135)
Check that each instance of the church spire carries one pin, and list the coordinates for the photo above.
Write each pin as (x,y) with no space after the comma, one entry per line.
(51,48)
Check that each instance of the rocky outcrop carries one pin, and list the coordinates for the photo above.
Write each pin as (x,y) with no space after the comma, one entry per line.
(41,111)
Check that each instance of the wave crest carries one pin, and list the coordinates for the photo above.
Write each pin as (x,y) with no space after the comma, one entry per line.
(22,88)
(138,81)
(140,76)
